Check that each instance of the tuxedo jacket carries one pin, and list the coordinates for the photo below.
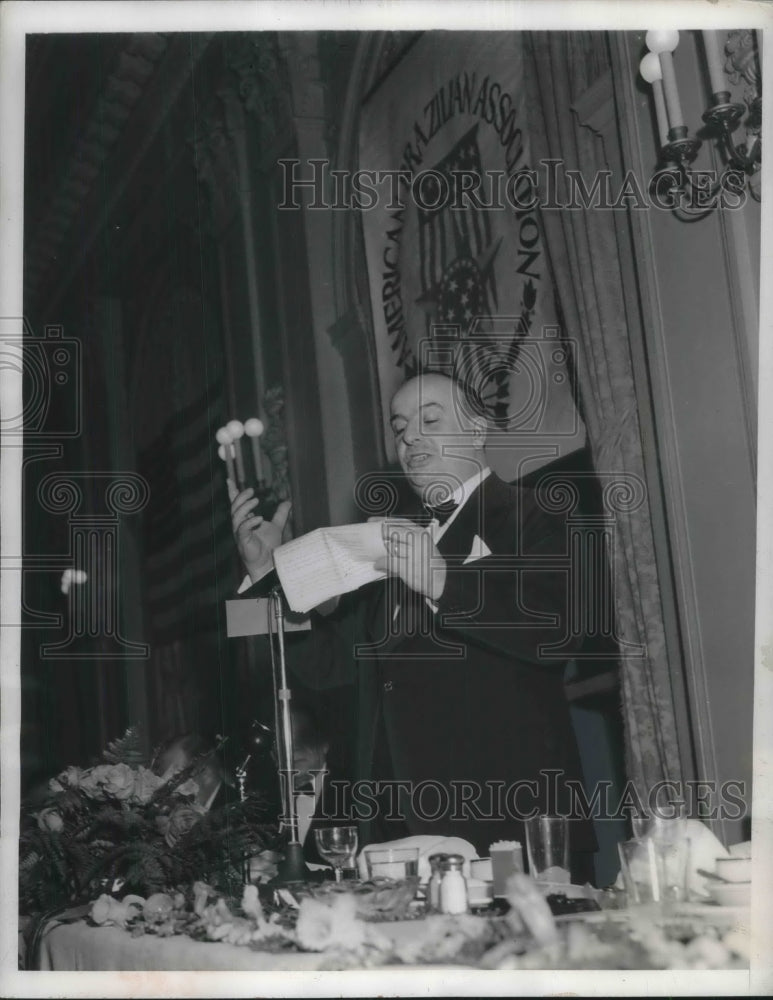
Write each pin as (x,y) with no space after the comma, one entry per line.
(465,700)
(471,695)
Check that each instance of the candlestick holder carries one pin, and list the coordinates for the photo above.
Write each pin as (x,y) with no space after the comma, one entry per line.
(689,193)
(686,192)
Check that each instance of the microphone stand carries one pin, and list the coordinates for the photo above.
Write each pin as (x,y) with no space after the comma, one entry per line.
(293,867)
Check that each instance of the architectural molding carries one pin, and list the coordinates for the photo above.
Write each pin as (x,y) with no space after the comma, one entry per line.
(274,441)
(215,155)
(134,68)
(125,155)
(256,61)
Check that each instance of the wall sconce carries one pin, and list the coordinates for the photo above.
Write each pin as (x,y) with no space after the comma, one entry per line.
(692,194)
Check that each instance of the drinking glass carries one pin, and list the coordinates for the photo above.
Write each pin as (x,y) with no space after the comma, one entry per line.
(392,862)
(547,847)
(338,845)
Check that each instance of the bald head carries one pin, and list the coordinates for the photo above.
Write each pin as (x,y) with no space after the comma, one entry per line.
(438,436)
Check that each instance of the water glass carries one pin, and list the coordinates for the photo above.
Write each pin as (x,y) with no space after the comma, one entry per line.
(641,866)
(392,862)
(655,870)
(547,848)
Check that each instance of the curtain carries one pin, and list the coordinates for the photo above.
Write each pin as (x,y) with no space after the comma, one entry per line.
(587,258)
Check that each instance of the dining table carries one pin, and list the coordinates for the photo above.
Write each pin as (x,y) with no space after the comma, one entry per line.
(71,942)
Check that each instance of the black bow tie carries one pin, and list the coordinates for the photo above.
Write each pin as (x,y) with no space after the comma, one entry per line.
(442,511)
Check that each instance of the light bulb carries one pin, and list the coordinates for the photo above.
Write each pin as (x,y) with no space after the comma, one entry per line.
(222,436)
(253,427)
(662,41)
(649,68)
(235,428)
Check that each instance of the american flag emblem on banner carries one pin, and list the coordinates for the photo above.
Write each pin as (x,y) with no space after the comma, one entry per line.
(457,249)
(456,246)
(457,266)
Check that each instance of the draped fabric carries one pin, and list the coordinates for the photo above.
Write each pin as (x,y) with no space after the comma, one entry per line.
(587,259)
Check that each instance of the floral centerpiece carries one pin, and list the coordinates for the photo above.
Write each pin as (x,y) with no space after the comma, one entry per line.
(118,825)
(526,937)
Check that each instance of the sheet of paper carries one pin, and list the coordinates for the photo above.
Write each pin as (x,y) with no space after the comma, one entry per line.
(328,562)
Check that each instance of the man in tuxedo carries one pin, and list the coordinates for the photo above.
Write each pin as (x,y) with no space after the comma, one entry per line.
(463,719)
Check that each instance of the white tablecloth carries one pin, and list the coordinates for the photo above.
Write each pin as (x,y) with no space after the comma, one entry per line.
(79,947)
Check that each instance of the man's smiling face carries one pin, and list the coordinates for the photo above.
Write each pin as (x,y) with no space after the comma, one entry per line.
(437,443)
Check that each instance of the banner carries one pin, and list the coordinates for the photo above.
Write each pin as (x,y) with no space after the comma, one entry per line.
(456,262)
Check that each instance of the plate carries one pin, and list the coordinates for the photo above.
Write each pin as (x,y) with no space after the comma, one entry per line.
(731,894)
(710,913)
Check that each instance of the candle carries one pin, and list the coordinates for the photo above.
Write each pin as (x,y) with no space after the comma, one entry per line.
(663,44)
(660,111)
(236,429)
(224,440)
(715,62)
(650,71)
(253,428)
(673,105)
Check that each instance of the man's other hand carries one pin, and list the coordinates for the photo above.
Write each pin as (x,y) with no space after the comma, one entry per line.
(413,556)
(255,537)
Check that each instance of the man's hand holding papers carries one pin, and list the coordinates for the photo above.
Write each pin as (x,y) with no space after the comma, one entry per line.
(328,562)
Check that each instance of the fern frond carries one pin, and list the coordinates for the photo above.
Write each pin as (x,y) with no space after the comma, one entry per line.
(127,749)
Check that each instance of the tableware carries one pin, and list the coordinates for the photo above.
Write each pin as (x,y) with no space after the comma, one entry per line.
(642,869)
(547,848)
(731,893)
(338,845)
(640,826)
(480,868)
(381,899)
(713,876)
(734,869)
(479,892)
(654,871)
(392,862)
(506,858)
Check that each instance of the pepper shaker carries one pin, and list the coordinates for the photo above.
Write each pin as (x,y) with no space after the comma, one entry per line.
(433,886)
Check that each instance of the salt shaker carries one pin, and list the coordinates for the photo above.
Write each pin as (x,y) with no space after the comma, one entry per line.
(433,886)
(453,887)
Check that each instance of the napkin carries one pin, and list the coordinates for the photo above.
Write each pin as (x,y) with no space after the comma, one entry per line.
(427,845)
(704,850)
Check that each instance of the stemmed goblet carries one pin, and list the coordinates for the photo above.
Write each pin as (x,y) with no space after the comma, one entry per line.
(337,844)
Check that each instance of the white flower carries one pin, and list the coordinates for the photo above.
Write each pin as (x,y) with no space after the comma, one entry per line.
(251,903)
(107,910)
(50,819)
(71,576)
(157,908)
(335,928)
(145,784)
(69,778)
